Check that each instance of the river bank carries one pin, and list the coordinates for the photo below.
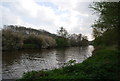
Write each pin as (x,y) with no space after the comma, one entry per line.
(103,65)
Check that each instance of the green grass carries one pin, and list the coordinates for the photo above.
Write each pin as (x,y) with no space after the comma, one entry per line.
(103,65)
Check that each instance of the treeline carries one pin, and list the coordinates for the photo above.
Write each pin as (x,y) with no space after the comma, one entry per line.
(106,28)
(65,39)
(19,37)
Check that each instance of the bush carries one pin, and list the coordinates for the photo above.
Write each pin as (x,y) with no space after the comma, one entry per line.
(32,41)
(39,41)
(11,40)
(61,42)
(30,46)
(47,41)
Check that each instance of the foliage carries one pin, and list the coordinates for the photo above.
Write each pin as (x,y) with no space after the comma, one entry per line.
(70,39)
(14,37)
(78,40)
(70,62)
(19,37)
(108,23)
(39,41)
(108,38)
(61,42)
(73,40)
(30,46)
(11,40)
(32,40)
(62,32)
(84,42)
(47,41)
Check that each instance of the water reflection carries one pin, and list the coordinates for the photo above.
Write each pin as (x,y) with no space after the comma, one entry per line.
(17,62)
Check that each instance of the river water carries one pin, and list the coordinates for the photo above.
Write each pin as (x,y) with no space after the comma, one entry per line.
(15,63)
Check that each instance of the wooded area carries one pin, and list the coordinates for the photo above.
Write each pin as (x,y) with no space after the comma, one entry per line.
(19,37)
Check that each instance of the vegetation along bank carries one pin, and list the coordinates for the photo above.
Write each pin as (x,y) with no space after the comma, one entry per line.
(19,37)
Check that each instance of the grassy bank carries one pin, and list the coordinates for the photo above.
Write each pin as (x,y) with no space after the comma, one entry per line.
(103,65)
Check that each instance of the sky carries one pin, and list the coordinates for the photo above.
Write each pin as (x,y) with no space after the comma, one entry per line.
(74,15)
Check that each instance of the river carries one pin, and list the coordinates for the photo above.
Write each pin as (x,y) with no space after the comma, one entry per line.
(15,63)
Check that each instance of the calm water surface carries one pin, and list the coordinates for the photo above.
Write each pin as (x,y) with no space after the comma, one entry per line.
(14,64)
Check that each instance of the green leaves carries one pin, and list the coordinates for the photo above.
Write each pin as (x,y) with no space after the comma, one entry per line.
(108,21)
(70,62)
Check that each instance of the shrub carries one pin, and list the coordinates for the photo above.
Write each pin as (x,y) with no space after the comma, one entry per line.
(70,62)
(47,41)
(39,41)
(30,46)
(61,42)
(11,40)
(32,40)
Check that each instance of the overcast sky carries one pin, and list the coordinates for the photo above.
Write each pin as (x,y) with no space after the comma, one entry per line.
(74,15)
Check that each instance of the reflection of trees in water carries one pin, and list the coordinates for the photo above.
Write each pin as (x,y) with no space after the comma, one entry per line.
(49,59)
(12,58)
(9,57)
(60,54)
(84,51)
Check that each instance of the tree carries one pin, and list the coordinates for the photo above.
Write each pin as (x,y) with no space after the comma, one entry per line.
(79,40)
(62,32)
(62,39)
(61,42)
(84,41)
(73,39)
(108,22)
